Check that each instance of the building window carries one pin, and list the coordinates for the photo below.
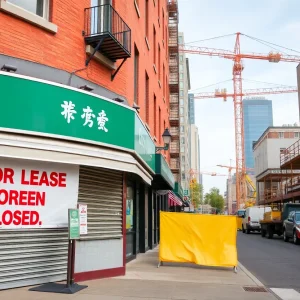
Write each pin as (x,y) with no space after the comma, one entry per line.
(37,7)
(183,176)
(164,85)
(181,93)
(183,158)
(147,18)
(182,149)
(159,62)
(180,40)
(181,128)
(181,102)
(181,76)
(181,58)
(154,115)
(281,135)
(181,84)
(154,45)
(181,68)
(297,135)
(159,125)
(136,75)
(181,119)
(182,140)
(147,102)
(181,111)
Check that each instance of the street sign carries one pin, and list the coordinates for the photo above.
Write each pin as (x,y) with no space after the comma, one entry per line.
(83,218)
(186,192)
(74,227)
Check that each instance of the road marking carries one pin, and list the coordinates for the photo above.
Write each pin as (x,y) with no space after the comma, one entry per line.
(286,294)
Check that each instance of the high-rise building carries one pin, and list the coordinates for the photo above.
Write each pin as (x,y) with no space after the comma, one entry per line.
(258,116)
(184,86)
(194,139)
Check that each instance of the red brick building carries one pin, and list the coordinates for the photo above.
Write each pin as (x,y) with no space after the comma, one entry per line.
(109,58)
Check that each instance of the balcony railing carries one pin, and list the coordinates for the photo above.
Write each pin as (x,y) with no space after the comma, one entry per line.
(106,29)
(290,153)
(174,131)
(175,164)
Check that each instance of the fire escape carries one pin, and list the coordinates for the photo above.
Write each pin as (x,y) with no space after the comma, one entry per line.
(174,88)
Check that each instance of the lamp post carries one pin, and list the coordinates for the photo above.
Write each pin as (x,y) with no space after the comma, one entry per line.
(167,140)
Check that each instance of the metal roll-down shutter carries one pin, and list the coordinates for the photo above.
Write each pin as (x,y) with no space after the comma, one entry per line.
(29,257)
(102,191)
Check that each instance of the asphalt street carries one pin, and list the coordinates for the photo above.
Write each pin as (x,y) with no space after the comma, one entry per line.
(275,263)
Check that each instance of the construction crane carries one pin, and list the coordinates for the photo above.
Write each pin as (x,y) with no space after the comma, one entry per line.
(250,199)
(193,173)
(222,93)
(236,56)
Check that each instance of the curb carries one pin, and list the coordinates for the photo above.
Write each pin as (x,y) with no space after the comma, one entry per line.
(250,275)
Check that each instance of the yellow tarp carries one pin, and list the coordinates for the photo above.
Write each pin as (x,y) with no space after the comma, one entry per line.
(208,240)
(239,222)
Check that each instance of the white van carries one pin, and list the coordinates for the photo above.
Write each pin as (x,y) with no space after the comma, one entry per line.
(252,217)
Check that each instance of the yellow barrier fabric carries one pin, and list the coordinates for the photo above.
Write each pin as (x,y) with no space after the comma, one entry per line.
(208,240)
(239,222)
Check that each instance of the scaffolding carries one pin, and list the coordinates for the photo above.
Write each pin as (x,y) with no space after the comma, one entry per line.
(174,87)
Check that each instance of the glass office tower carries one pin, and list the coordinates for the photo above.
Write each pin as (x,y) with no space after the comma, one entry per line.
(258,116)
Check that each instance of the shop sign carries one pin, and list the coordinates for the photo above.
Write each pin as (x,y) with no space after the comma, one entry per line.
(163,169)
(35,194)
(83,218)
(143,144)
(74,224)
(45,108)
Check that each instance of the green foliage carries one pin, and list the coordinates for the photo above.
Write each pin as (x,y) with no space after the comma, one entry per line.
(196,191)
(215,199)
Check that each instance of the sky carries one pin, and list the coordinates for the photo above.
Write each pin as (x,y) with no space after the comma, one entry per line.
(275,21)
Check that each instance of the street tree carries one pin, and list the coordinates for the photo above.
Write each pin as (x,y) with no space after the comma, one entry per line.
(215,199)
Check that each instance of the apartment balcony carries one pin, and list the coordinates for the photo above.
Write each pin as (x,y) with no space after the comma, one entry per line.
(175,165)
(290,157)
(174,99)
(107,32)
(175,133)
(174,149)
(174,117)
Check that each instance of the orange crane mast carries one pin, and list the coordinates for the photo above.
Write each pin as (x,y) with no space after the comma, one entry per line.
(236,56)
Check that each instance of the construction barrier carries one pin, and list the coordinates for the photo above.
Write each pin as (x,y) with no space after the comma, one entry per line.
(208,240)
(239,222)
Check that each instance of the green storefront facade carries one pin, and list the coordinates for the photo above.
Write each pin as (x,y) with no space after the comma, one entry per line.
(47,122)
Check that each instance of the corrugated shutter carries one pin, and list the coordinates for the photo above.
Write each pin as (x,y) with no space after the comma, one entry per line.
(29,257)
(102,191)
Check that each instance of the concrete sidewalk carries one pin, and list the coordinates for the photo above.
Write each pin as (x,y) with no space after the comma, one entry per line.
(144,281)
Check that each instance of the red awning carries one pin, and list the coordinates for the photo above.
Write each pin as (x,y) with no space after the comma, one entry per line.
(174,200)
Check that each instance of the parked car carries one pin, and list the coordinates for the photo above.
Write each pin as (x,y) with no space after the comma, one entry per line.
(291,227)
(252,217)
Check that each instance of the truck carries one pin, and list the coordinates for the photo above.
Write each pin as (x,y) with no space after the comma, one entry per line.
(273,221)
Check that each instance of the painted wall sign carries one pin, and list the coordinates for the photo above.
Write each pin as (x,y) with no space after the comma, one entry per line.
(36,195)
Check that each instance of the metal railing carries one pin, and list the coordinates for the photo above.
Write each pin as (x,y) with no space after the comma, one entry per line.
(290,153)
(174,131)
(174,147)
(103,19)
(175,163)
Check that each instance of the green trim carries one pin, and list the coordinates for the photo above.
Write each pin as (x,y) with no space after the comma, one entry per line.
(162,168)
(178,190)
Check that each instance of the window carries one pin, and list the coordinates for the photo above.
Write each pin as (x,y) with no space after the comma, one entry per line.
(296,135)
(183,158)
(147,18)
(281,135)
(183,176)
(164,83)
(181,76)
(181,68)
(37,7)
(181,102)
(181,58)
(181,84)
(159,62)
(159,125)
(181,111)
(181,119)
(182,141)
(182,149)
(154,115)
(180,40)
(147,97)
(136,75)
(181,128)
(181,93)
(154,45)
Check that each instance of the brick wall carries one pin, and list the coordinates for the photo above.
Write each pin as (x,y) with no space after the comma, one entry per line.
(66,50)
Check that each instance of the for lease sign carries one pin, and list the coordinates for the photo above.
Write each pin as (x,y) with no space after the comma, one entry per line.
(36,194)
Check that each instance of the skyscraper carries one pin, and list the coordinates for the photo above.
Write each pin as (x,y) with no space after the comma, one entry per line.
(258,116)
